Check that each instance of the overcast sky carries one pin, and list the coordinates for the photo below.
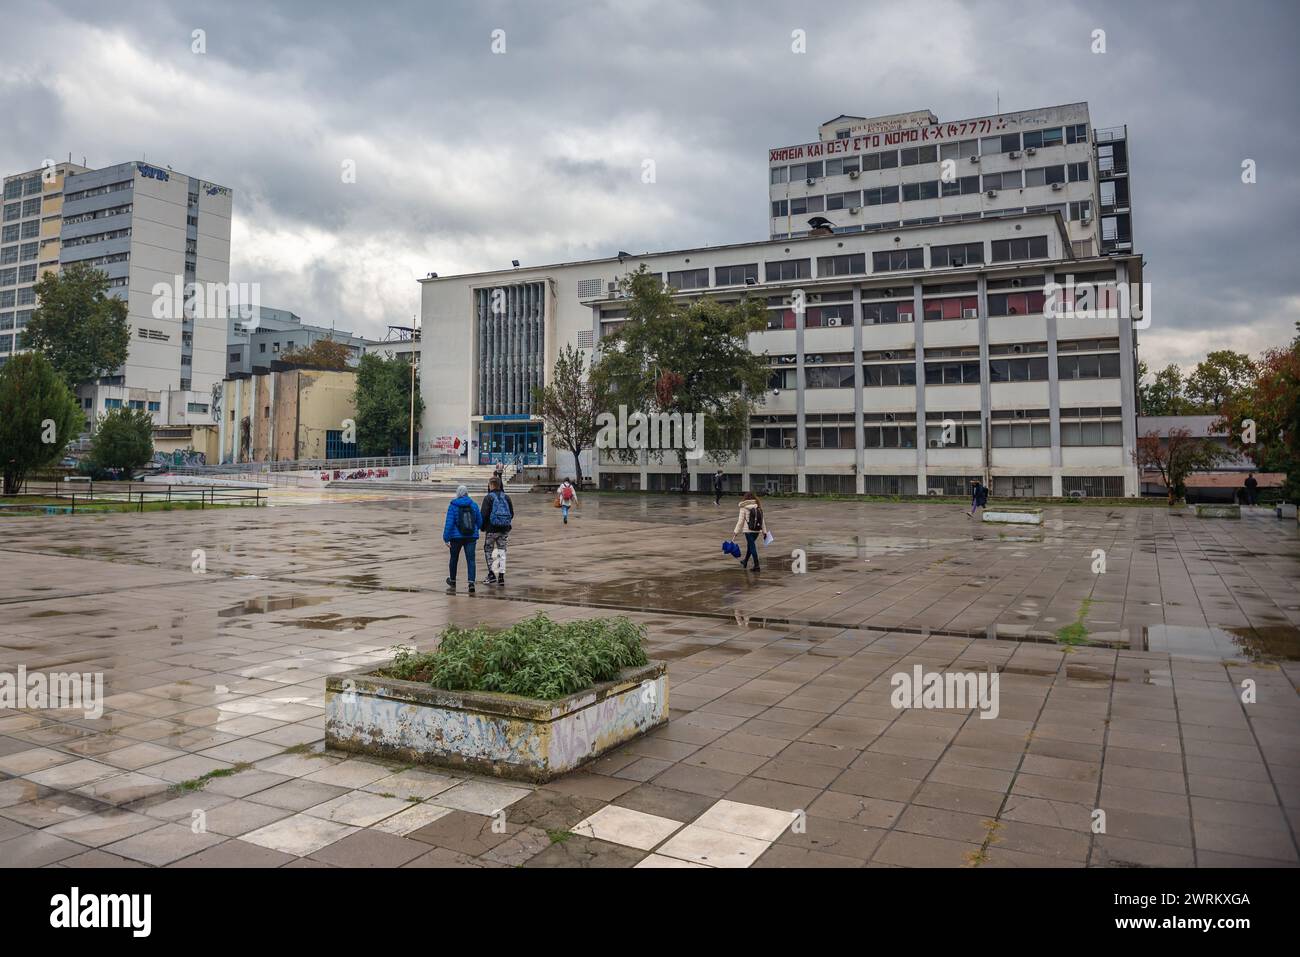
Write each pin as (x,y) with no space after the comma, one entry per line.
(466,159)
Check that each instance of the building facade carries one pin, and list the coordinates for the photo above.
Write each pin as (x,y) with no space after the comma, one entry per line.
(287,415)
(924,356)
(259,335)
(910,169)
(155,233)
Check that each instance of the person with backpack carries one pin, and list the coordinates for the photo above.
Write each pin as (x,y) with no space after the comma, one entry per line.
(498,515)
(979,496)
(460,532)
(752,523)
(567,496)
(717,487)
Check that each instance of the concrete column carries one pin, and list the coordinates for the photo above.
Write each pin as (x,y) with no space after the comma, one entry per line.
(1053,394)
(918,319)
(1128,387)
(986,390)
(859,446)
(800,455)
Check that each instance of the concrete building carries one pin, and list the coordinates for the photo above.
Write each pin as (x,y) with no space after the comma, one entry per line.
(286,415)
(155,233)
(256,336)
(1225,483)
(924,357)
(910,169)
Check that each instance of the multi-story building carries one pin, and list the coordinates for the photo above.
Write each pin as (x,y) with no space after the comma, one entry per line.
(157,234)
(259,335)
(30,224)
(910,169)
(924,356)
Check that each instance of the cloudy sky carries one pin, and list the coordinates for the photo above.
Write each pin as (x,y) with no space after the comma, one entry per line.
(466,158)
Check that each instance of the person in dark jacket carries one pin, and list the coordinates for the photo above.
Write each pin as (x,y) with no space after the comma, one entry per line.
(498,515)
(1252,486)
(717,487)
(979,496)
(460,532)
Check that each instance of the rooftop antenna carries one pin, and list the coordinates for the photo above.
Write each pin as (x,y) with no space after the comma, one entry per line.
(999,96)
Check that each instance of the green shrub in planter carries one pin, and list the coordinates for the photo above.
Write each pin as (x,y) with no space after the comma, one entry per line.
(536,658)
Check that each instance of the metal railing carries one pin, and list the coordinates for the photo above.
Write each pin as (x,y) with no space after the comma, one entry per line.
(134,493)
(306,465)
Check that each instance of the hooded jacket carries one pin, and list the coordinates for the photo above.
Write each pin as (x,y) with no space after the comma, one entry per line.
(742,523)
(449,530)
(486,510)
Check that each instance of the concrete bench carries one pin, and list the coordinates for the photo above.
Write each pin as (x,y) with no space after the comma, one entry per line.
(1014,516)
(1218,511)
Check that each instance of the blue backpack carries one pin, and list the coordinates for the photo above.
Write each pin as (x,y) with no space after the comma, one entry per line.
(499,515)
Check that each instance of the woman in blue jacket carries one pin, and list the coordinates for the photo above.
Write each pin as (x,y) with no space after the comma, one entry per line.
(460,532)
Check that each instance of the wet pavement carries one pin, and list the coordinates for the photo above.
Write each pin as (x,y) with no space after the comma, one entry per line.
(1147,670)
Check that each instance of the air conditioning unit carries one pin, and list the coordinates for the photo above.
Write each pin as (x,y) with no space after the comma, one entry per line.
(891,416)
(1017,283)
(751,281)
(811,181)
(974,159)
(1086,219)
(886,355)
(854,210)
(1014,154)
(1058,186)
(787,443)
(1018,348)
(1032,151)
(970,313)
(832,320)
(991,193)
(1020,414)
(934,491)
(935,443)
(956,262)
(854,174)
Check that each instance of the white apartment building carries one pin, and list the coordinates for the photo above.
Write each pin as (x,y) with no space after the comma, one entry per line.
(146,227)
(910,169)
(924,357)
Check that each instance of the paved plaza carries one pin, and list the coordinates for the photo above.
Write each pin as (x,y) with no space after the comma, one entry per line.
(214,632)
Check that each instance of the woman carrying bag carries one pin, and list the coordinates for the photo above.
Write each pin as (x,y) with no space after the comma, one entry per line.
(753,524)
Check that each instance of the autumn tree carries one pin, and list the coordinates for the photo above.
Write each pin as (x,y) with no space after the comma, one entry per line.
(322,354)
(1176,456)
(1262,421)
(569,406)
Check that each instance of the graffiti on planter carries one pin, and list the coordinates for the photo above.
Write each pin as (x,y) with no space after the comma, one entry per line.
(357,475)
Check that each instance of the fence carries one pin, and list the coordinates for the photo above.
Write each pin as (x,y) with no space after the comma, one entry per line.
(138,493)
(305,465)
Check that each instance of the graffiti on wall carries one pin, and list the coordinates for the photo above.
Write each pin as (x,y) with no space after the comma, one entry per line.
(356,475)
(180,458)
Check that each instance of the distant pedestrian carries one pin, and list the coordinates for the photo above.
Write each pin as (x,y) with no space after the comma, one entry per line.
(1251,486)
(717,487)
(685,484)
(753,524)
(979,496)
(460,532)
(567,496)
(498,515)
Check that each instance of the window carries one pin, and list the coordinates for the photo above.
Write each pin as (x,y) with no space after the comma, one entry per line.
(828,377)
(773,432)
(961,187)
(963,150)
(1029,369)
(1095,366)
(1081,210)
(841,315)
(1094,486)
(805,171)
(957,437)
(32,207)
(885,160)
(961,254)
(1008,180)
(788,270)
(1012,250)
(735,275)
(27,296)
(951,307)
(806,204)
(885,313)
(843,166)
(1077,172)
(1077,133)
(27,251)
(951,373)
(13,211)
(336,448)
(27,273)
(889,484)
(1000,144)
(926,190)
(155,406)
(780,174)
(1037,139)
(112,403)
(780,207)
(1016,303)
(688,279)
(1044,175)
(1021,435)
(137,404)
(894,260)
(880,376)
(30,229)
(843,200)
(916,155)
(878,197)
(261,347)
(234,357)
(842,265)
(889,436)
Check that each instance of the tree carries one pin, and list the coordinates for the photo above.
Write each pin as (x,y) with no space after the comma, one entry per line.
(1175,457)
(321,354)
(569,406)
(1263,420)
(1164,396)
(1222,375)
(123,441)
(383,399)
(81,329)
(39,415)
(685,358)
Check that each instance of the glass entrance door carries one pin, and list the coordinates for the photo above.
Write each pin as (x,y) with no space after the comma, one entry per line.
(520,442)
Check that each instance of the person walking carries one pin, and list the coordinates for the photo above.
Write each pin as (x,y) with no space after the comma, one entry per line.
(979,496)
(717,487)
(460,532)
(568,496)
(498,515)
(1252,485)
(753,524)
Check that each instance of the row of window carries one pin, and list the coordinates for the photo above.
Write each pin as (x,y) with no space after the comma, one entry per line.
(99,214)
(947,372)
(25,230)
(1018,435)
(918,155)
(28,207)
(16,188)
(9,277)
(99,190)
(97,237)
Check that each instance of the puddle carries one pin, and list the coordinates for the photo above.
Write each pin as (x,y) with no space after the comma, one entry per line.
(260,606)
(1265,643)
(337,623)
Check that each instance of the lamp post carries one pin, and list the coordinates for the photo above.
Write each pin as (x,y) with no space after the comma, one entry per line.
(415,337)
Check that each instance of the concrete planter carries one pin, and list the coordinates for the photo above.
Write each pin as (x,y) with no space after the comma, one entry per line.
(505,735)
(1218,511)
(1286,510)
(1015,516)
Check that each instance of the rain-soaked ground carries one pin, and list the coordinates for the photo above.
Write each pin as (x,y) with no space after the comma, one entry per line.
(1147,669)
